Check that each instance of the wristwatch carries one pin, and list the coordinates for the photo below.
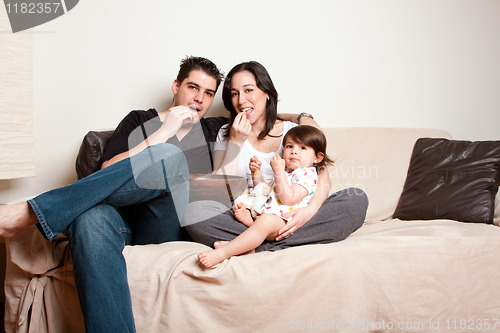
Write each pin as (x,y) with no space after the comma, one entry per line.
(304,114)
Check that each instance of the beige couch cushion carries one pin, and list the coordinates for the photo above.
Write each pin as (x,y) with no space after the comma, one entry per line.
(375,160)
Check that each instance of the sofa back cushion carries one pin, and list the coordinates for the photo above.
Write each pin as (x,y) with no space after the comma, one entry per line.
(375,160)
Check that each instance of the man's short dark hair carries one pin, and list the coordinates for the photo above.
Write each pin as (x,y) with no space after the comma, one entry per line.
(191,63)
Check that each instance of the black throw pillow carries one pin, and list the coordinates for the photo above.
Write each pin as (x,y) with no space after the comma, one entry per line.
(451,179)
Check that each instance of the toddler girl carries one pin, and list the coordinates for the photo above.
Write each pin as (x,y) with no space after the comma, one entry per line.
(294,183)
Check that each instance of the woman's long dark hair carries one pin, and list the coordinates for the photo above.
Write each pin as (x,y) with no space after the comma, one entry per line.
(264,83)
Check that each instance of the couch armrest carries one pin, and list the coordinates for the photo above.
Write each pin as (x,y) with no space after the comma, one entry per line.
(89,157)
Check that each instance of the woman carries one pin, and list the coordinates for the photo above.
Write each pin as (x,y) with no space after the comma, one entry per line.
(255,129)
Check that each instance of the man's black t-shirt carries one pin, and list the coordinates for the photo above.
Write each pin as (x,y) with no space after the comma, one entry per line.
(197,145)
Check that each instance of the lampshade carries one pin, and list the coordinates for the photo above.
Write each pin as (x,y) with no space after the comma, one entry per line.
(17,157)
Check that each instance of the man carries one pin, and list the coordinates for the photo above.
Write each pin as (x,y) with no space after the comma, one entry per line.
(138,197)
(147,222)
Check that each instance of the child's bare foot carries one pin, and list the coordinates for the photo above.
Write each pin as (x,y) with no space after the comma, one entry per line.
(15,218)
(243,215)
(213,257)
(220,244)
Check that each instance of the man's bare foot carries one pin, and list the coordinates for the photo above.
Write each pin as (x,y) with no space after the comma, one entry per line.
(213,257)
(15,218)
(220,244)
(243,215)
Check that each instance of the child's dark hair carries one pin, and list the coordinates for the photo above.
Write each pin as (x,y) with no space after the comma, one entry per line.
(311,137)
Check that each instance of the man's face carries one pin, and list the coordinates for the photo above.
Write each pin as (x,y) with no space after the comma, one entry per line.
(196,91)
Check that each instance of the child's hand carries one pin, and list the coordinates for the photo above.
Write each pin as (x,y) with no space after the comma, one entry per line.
(277,164)
(255,165)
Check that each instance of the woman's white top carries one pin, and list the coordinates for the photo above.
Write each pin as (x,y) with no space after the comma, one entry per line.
(248,151)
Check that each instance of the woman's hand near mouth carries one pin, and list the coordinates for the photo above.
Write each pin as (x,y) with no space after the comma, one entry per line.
(241,129)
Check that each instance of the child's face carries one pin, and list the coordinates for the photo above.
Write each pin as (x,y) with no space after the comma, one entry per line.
(297,155)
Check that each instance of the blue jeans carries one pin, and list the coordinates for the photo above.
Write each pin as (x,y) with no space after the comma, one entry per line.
(139,200)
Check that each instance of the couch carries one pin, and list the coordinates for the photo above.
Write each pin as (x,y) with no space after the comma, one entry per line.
(398,272)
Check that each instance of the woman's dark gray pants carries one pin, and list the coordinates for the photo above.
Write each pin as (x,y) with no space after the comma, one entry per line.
(341,214)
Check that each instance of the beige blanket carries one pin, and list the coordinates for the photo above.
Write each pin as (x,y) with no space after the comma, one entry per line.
(404,275)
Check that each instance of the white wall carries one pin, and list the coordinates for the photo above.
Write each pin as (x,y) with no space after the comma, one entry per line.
(352,63)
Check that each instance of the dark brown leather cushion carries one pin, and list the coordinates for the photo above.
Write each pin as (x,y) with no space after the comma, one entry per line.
(89,157)
(450,179)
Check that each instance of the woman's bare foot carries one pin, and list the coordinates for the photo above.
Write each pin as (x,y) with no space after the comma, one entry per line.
(15,218)
(243,215)
(213,257)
